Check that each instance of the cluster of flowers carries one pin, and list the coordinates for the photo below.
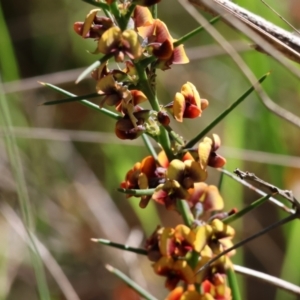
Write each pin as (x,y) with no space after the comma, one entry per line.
(146,44)
(148,38)
(171,250)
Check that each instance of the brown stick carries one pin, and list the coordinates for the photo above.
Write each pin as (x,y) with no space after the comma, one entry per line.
(285,42)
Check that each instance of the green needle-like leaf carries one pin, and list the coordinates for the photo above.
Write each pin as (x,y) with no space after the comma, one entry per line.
(73,99)
(154,11)
(247,209)
(201,135)
(120,246)
(193,33)
(146,295)
(137,193)
(84,102)
(149,146)
(185,212)
(93,66)
(129,13)
(233,284)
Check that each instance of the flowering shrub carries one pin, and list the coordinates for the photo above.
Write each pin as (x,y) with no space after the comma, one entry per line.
(195,256)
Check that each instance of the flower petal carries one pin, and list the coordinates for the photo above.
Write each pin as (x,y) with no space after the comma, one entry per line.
(179,56)
(110,40)
(202,235)
(178,107)
(175,170)
(142,16)
(204,150)
(213,199)
(89,21)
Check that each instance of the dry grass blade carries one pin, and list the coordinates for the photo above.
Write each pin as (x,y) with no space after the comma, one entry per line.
(49,261)
(289,287)
(285,42)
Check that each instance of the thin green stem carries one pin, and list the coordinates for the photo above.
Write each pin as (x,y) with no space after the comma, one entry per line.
(147,61)
(174,135)
(193,33)
(146,295)
(163,138)
(116,13)
(129,13)
(73,99)
(138,193)
(193,261)
(146,88)
(185,212)
(220,181)
(247,209)
(201,135)
(164,141)
(154,11)
(93,66)
(120,246)
(84,102)
(149,146)
(233,284)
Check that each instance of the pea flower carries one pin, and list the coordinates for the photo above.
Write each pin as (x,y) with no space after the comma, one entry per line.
(174,270)
(187,103)
(142,176)
(93,26)
(207,152)
(158,40)
(119,44)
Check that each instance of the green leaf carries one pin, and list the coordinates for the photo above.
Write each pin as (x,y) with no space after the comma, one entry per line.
(247,209)
(146,295)
(137,193)
(120,246)
(149,146)
(84,102)
(93,66)
(197,138)
(129,12)
(193,33)
(232,282)
(72,99)
(185,212)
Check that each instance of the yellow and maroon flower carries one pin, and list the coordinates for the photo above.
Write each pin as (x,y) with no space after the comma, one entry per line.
(152,244)
(179,293)
(180,176)
(217,288)
(120,43)
(141,176)
(115,94)
(93,26)
(138,177)
(174,270)
(168,193)
(187,103)
(207,196)
(207,153)
(158,39)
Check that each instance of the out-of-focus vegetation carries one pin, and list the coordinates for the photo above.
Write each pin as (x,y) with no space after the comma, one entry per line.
(73,163)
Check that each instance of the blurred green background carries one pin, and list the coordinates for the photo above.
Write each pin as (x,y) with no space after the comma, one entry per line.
(73,163)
